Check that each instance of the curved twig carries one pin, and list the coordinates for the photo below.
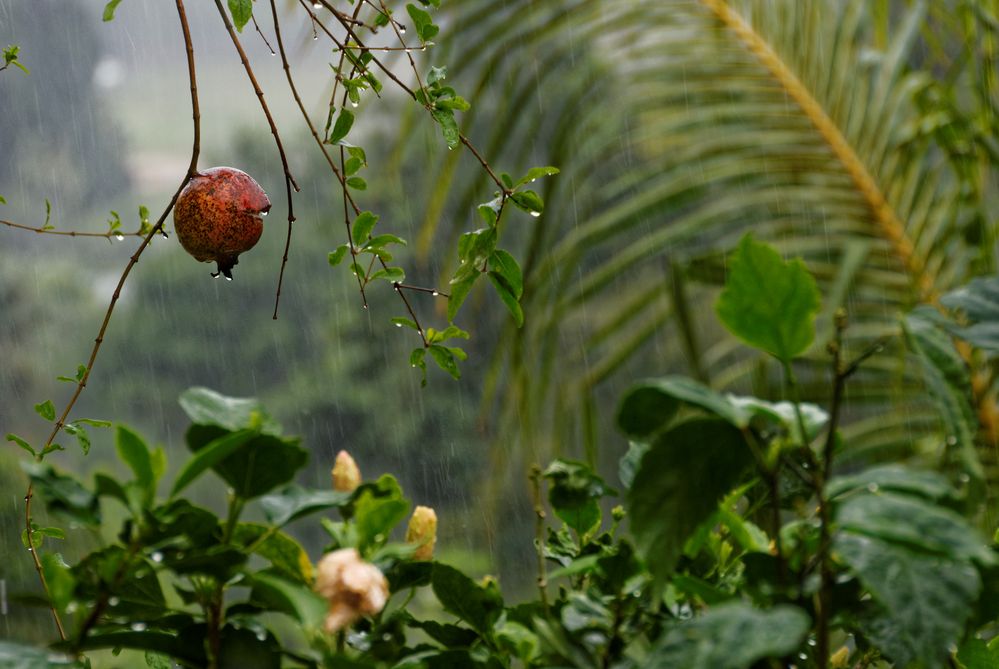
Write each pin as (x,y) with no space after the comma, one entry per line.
(61,422)
(71,233)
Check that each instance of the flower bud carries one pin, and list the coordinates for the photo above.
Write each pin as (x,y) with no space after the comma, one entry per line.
(422,531)
(353,588)
(840,659)
(346,475)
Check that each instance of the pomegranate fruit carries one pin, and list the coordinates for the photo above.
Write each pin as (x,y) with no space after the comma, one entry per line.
(218,215)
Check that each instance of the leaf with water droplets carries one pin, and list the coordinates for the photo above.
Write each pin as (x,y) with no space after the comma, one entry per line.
(529,201)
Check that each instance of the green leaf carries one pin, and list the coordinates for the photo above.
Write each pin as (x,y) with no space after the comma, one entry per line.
(574,492)
(157,660)
(283,552)
(768,303)
(508,298)
(295,501)
(344,122)
(357,183)
(976,654)
(390,274)
(132,450)
(383,240)
(21,442)
(679,482)
(58,579)
(425,28)
(46,410)
(63,494)
(478,605)
(242,11)
(363,225)
(109,10)
(529,201)
(207,457)
(405,322)
(378,510)
(459,291)
(647,407)
(947,379)
(914,523)
(730,636)
(337,255)
(895,478)
(978,303)
(207,407)
(449,127)
(507,269)
(296,600)
(534,174)
(924,600)
(444,357)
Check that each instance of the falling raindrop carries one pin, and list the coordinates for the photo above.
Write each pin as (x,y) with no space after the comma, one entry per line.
(317,5)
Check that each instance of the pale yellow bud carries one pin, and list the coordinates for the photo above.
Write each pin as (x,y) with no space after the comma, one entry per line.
(840,659)
(353,588)
(346,475)
(422,531)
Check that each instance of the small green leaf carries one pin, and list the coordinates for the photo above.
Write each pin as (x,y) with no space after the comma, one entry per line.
(378,510)
(384,240)
(529,201)
(449,127)
(343,124)
(59,579)
(508,298)
(242,11)
(109,10)
(436,75)
(134,452)
(363,225)
(337,255)
(405,322)
(357,183)
(418,359)
(81,434)
(295,501)
(425,28)
(46,410)
(505,265)
(459,291)
(534,174)
(21,442)
(452,332)
(390,274)
(444,357)
(768,303)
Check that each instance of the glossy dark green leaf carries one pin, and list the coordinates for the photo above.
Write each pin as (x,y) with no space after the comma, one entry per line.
(294,502)
(574,491)
(730,636)
(645,410)
(210,455)
(529,201)
(207,407)
(507,297)
(505,265)
(768,303)
(679,482)
(284,553)
(478,605)
(915,523)
(445,359)
(924,599)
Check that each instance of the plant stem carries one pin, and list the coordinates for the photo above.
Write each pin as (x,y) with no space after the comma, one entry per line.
(539,535)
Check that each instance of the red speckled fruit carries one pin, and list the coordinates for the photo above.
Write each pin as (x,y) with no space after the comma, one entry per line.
(218,216)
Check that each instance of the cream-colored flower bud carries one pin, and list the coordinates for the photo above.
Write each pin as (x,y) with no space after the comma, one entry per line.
(346,475)
(422,531)
(353,588)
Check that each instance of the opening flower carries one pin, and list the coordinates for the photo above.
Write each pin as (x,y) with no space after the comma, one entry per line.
(353,588)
